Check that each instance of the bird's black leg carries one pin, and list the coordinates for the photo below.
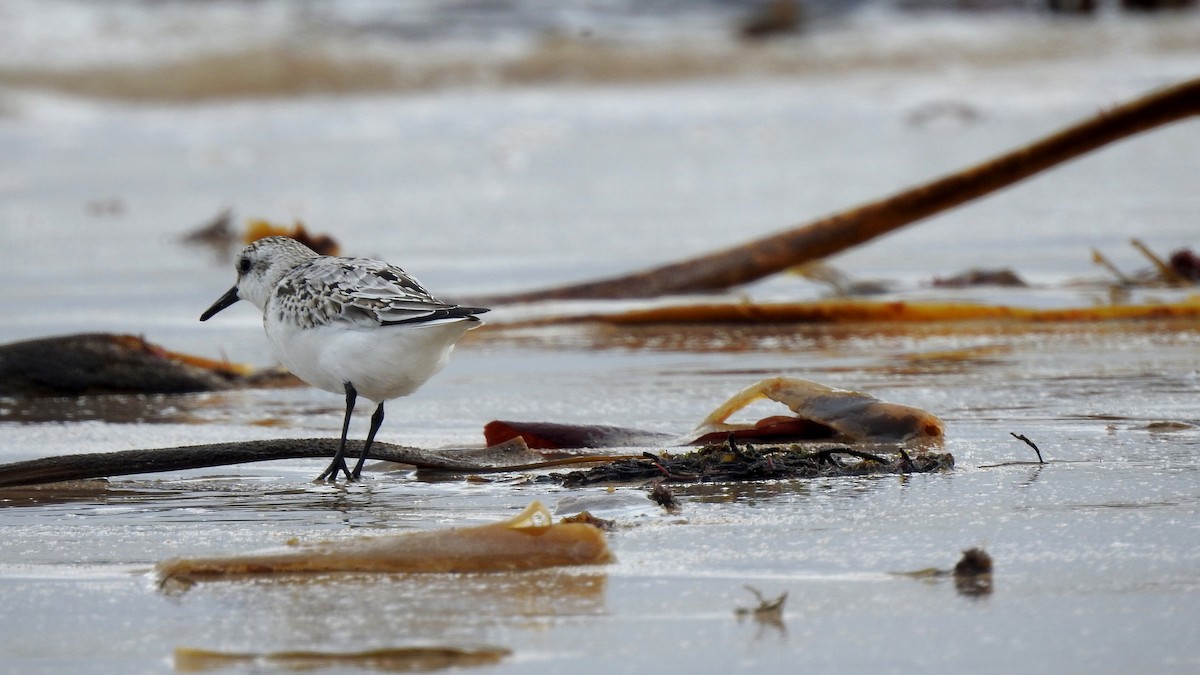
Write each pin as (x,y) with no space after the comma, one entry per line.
(339,460)
(376,422)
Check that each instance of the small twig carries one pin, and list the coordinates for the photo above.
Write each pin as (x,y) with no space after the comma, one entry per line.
(1021,437)
(1100,259)
(768,611)
(657,463)
(1168,274)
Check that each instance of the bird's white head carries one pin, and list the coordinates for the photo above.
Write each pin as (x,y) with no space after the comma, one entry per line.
(260,266)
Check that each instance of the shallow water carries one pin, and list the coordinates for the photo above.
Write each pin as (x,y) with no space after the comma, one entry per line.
(1099,548)
(483,190)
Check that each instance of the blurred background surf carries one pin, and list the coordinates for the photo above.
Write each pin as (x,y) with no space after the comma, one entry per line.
(190,50)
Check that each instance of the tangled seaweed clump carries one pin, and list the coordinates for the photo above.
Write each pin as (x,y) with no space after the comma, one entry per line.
(729,462)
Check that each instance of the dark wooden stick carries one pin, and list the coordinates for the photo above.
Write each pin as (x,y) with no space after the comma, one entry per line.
(512,456)
(835,233)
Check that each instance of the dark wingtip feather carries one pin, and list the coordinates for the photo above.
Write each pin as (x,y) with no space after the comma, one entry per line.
(452,312)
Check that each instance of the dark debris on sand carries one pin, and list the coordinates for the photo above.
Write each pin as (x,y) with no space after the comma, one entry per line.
(728,462)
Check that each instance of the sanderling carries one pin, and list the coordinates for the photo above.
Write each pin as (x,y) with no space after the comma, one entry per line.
(347,325)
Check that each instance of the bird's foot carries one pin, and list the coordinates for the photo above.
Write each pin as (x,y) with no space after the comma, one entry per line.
(331,472)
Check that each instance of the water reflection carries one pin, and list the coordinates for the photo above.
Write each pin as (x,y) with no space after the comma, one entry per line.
(352,611)
(265,408)
(974,587)
(766,492)
(767,616)
(1035,472)
(91,491)
(938,344)
(116,408)
(227,499)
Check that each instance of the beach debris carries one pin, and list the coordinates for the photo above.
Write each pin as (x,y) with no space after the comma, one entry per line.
(106,363)
(972,573)
(1186,265)
(554,436)
(974,562)
(716,463)
(822,412)
(397,659)
(530,540)
(981,277)
(219,235)
(216,233)
(661,494)
(768,611)
(1164,271)
(1167,426)
(261,229)
(711,463)
(1026,441)
(775,18)
(506,457)
(1102,260)
(587,517)
(1182,268)
(842,284)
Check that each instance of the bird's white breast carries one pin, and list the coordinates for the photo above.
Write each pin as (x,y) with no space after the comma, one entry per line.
(382,362)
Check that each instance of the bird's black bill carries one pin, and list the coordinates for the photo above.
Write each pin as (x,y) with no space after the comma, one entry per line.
(230,297)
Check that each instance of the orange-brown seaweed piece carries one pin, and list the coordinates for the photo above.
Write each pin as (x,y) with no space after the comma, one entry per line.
(849,416)
(321,243)
(528,541)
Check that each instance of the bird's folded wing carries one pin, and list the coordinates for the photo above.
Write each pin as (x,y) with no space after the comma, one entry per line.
(371,292)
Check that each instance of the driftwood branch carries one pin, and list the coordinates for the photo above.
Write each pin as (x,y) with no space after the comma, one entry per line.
(512,456)
(832,234)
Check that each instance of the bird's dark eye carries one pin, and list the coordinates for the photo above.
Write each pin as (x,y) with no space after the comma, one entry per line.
(243,265)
